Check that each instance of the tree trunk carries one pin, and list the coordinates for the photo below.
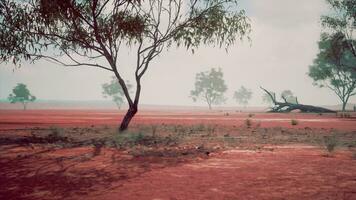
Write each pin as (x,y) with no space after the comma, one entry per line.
(209,106)
(128,117)
(288,107)
(344,106)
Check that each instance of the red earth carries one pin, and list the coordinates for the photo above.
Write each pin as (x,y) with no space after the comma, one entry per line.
(271,172)
(14,119)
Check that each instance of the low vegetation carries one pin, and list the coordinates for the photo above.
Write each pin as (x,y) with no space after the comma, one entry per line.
(330,142)
(180,140)
(294,122)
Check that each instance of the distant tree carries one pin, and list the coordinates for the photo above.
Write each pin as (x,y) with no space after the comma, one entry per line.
(243,95)
(21,94)
(331,69)
(209,87)
(288,96)
(341,23)
(114,90)
(93,33)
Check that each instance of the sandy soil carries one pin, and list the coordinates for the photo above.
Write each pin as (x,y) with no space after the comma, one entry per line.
(272,159)
(14,119)
(284,173)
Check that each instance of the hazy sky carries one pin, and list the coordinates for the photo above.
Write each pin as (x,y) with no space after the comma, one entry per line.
(284,43)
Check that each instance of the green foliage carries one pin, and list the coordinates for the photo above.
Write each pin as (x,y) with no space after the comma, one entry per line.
(210,87)
(342,21)
(91,28)
(243,95)
(21,94)
(114,90)
(331,68)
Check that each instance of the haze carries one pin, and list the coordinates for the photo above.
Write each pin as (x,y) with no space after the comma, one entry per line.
(283,44)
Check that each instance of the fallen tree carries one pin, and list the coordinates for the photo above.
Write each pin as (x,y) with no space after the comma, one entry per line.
(288,106)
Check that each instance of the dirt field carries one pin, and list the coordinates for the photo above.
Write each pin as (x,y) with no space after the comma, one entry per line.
(14,119)
(176,155)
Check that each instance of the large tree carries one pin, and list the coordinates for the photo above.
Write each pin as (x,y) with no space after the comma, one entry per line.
(114,90)
(331,69)
(21,94)
(243,96)
(93,33)
(209,87)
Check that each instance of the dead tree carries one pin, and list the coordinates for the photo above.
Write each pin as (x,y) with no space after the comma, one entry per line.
(288,106)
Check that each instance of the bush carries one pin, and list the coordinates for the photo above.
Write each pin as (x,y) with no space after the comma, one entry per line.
(251,115)
(56,134)
(248,123)
(330,143)
(134,138)
(294,122)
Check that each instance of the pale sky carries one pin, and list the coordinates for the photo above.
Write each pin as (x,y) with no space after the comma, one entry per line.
(284,43)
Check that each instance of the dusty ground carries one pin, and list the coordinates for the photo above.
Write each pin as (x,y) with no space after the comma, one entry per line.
(14,119)
(176,155)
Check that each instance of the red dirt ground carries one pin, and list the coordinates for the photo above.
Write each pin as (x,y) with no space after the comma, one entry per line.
(285,173)
(275,172)
(14,119)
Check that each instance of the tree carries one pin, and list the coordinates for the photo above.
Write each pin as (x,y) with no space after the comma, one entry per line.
(290,106)
(93,33)
(342,22)
(243,95)
(114,90)
(209,87)
(331,69)
(21,94)
(289,96)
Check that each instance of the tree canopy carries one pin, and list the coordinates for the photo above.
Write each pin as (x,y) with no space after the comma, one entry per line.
(341,23)
(92,33)
(331,69)
(209,87)
(21,94)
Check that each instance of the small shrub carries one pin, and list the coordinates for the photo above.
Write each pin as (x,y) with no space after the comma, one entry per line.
(56,134)
(330,143)
(294,122)
(154,130)
(211,129)
(129,138)
(248,123)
